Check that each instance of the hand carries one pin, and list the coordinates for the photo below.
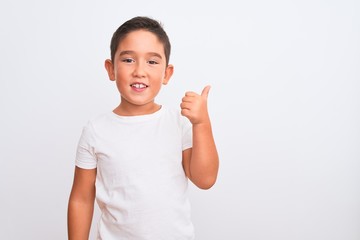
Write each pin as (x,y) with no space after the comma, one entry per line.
(194,106)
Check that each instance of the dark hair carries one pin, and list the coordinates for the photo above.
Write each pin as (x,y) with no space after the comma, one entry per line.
(140,23)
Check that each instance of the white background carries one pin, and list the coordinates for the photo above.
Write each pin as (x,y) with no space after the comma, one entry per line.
(285,107)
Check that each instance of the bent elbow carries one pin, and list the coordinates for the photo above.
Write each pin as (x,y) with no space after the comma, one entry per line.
(206,184)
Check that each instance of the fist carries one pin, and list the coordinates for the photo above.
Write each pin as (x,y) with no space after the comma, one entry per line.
(194,106)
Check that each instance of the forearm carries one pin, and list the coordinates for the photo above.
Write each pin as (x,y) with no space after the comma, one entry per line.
(201,163)
(79,219)
(204,162)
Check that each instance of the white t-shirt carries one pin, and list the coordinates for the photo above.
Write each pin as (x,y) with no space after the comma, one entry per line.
(141,186)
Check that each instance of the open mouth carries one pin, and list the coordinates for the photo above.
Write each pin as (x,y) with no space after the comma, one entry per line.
(139,85)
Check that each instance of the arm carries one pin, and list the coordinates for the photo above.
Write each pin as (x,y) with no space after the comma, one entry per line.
(81,204)
(201,162)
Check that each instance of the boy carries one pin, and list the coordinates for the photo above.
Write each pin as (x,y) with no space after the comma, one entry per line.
(140,155)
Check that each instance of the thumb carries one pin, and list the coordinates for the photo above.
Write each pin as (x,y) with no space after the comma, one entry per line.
(205,91)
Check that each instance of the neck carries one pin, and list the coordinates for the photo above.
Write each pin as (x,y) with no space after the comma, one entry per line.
(136,110)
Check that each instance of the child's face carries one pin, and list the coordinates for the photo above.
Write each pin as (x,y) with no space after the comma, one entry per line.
(139,69)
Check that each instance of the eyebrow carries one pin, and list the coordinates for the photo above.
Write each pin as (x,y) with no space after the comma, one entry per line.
(129,52)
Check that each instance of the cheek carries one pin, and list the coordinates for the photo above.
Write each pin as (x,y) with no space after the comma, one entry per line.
(120,71)
(122,80)
(119,85)
(161,75)
(123,75)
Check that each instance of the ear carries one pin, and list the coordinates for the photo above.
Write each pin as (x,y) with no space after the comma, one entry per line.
(168,73)
(110,69)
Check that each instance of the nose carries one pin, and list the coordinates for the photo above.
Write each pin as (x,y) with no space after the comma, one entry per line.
(139,70)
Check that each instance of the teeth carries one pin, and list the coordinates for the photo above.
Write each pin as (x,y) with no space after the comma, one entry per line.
(139,85)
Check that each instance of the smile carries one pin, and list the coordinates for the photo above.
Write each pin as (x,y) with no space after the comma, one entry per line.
(139,85)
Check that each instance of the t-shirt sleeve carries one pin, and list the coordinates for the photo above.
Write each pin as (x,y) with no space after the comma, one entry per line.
(85,154)
(186,127)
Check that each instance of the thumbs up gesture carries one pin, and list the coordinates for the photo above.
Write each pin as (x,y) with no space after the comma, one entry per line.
(194,106)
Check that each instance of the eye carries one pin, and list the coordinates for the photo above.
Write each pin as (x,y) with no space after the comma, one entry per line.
(152,62)
(128,60)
